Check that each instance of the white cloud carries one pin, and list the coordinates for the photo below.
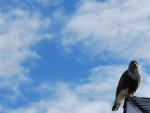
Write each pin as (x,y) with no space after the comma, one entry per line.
(19,31)
(143,89)
(93,96)
(111,29)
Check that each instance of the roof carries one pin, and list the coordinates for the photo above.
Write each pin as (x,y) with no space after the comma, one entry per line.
(142,103)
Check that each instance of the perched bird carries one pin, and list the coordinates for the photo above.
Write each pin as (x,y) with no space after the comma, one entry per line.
(128,84)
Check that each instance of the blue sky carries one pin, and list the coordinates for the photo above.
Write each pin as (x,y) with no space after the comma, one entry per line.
(67,56)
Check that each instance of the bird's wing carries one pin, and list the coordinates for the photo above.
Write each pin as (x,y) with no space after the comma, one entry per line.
(122,82)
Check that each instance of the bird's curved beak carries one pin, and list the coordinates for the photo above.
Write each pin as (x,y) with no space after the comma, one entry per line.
(136,65)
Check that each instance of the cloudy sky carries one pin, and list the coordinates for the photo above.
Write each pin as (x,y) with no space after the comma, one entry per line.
(66,56)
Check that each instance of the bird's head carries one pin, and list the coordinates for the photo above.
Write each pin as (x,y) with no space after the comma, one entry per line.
(133,64)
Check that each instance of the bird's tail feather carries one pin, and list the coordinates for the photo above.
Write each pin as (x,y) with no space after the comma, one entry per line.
(115,107)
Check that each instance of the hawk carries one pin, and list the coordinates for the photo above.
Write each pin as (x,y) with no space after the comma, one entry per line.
(128,84)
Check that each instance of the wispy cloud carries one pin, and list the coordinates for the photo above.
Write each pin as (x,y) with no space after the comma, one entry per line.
(117,29)
(19,31)
(94,95)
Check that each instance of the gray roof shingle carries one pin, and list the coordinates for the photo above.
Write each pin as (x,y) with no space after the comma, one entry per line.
(142,103)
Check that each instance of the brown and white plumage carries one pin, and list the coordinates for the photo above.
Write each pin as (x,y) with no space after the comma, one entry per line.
(128,84)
